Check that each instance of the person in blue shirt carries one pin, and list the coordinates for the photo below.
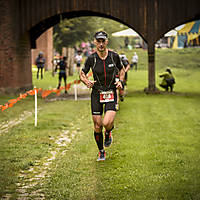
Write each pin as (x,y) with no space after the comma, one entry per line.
(40,62)
(62,66)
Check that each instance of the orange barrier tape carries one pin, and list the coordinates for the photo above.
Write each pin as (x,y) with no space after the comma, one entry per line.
(4,107)
(11,102)
(45,93)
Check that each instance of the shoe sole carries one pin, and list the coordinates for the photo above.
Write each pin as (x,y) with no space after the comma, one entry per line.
(99,160)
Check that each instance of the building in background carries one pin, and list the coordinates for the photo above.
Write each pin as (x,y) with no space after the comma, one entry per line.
(45,44)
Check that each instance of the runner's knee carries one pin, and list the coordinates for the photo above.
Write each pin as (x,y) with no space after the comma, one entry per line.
(98,128)
(108,125)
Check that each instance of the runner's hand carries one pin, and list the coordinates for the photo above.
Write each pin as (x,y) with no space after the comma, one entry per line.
(118,84)
(90,83)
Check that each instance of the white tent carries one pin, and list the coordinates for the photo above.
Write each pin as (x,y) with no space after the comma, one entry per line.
(171,33)
(174,31)
(125,33)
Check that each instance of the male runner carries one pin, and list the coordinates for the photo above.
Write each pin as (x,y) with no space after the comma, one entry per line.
(120,92)
(62,73)
(105,64)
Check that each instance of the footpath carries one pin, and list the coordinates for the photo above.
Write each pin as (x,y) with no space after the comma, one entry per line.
(30,182)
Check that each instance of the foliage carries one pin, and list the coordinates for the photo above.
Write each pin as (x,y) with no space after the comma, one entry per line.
(71,32)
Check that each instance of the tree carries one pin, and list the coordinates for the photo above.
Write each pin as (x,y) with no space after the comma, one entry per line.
(71,32)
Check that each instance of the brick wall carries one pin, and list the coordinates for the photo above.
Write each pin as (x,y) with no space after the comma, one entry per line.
(15,52)
(45,44)
(15,65)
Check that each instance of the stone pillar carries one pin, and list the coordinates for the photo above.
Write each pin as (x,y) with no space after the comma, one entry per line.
(151,71)
(152,11)
(15,54)
(151,68)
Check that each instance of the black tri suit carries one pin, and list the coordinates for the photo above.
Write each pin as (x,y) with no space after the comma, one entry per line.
(104,73)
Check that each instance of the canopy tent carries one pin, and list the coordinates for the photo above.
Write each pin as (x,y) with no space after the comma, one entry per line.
(174,31)
(171,33)
(130,33)
(125,33)
(189,34)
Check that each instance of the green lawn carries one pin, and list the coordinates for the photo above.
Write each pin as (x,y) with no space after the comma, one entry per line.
(155,150)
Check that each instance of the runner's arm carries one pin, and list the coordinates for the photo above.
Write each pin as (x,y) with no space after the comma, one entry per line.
(127,68)
(85,80)
(85,70)
(122,74)
(121,78)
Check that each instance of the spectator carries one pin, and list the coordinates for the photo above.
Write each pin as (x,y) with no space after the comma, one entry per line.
(168,80)
(78,60)
(55,62)
(40,61)
(126,42)
(134,61)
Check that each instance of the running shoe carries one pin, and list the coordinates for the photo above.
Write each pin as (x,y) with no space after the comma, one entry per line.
(102,155)
(108,139)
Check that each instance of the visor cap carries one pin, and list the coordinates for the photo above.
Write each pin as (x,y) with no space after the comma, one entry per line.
(101,35)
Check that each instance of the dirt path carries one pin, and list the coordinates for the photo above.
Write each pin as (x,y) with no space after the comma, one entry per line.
(5,126)
(30,184)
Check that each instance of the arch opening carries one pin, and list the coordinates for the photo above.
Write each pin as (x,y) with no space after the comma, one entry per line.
(42,26)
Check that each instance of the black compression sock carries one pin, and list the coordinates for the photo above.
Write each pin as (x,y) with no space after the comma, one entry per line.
(99,140)
(107,133)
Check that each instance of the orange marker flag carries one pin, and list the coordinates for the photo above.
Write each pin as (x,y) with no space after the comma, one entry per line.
(31,92)
(10,105)
(13,101)
(68,86)
(4,107)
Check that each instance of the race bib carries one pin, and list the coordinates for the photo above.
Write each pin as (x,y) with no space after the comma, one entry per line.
(106,96)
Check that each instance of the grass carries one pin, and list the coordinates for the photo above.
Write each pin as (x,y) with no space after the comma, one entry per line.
(155,150)
(153,156)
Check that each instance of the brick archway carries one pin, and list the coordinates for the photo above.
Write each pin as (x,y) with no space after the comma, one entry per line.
(22,21)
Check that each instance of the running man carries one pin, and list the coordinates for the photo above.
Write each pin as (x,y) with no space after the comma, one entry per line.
(120,92)
(105,64)
(62,65)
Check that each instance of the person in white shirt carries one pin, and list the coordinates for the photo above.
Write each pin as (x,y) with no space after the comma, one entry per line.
(78,59)
(134,61)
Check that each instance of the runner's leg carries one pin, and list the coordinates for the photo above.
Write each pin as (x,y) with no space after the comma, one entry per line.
(109,125)
(65,81)
(59,81)
(38,73)
(98,135)
(41,72)
(108,121)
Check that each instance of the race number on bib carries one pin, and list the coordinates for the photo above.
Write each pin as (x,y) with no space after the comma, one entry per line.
(106,96)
